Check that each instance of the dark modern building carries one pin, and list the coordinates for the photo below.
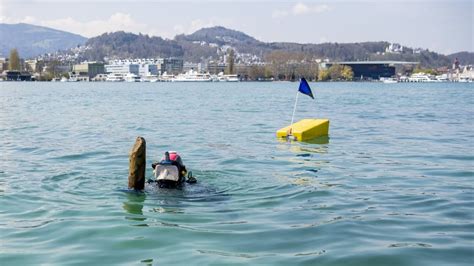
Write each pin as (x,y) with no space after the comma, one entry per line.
(214,67)
(13,75)
(90,69)
(172,65)
(364,70)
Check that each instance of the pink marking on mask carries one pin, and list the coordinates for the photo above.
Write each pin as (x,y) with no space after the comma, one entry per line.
(174,156)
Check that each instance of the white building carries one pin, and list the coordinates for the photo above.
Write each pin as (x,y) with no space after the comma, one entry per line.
(122,68)
(394,48)
(148,69)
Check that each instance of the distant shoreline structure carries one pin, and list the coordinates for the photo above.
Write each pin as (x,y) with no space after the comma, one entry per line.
(218,53)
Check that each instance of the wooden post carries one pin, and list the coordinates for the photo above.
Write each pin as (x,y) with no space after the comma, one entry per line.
(137,165)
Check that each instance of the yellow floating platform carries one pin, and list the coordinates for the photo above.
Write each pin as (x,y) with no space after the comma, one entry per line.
(305,129)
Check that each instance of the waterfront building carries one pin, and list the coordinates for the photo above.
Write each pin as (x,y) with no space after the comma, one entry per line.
(147,69)
(14,75)
(370,70)
(31,64)
(187,66)
(215,67)
(88,69)
(467,74)
(122,68)
(3,64)
(172,65)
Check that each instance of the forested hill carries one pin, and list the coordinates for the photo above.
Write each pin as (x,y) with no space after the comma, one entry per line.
(31,40)
(207,44)
(466,58)
(128,45)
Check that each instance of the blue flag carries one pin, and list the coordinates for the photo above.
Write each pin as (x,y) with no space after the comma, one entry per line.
(304,88)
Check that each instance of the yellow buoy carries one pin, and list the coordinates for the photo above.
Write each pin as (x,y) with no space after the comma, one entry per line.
(305,129)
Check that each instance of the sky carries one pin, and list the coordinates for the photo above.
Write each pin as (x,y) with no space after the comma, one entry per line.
(444,26)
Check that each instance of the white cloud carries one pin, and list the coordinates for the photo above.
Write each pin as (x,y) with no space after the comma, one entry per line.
(301,9)
(116,22)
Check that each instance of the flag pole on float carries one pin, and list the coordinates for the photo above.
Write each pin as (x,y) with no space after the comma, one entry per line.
(294,108)
(305,89)
(305,129)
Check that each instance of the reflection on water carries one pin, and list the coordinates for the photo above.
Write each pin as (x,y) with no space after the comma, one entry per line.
(318,140)
(305,148)
(134,205)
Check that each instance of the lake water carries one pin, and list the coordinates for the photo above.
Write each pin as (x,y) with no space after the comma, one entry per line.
(393,185)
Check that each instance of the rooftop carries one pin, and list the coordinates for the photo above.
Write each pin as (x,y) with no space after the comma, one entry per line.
(374,63)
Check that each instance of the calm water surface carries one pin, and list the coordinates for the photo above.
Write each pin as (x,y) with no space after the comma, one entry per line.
(393,185)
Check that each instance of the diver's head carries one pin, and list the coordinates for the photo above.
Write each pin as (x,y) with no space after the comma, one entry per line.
(172,156)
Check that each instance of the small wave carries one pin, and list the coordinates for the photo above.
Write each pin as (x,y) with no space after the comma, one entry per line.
(227,254)
(80,156)
(315,253)
(405,245)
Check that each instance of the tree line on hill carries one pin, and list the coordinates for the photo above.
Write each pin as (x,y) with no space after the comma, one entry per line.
(196,48)
(282,61)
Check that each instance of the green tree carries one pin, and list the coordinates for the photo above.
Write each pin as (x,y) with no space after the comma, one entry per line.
(323,75)
(347,73)
(335,72)
(340,72)
(14,61)
(230,61)
(429,71)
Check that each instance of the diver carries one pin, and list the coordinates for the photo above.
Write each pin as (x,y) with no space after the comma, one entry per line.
(170,172)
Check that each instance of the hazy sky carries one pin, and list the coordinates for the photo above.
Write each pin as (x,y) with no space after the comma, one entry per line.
(444,26)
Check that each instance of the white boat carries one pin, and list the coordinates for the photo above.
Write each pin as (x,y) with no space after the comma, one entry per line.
(193,76)
(232,78)
(421,77)
(165,77)
(149,78)
(465,80)
(442,78)
(114,77)
(228,78)
(130,77)
(63,79)
(389,80)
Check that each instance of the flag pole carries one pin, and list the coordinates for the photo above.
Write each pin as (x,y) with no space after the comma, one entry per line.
(294,109)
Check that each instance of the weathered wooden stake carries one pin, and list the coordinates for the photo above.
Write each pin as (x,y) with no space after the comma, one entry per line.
(137,164)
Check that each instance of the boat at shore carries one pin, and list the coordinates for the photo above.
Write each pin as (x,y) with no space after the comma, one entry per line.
(228,78)
(421,77)
(165,77)
(193,76)
(130,77)
(149,78)
(388,80)
(114,77)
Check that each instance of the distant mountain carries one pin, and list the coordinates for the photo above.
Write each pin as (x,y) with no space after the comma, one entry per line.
(198,45)
(218,35)
(204,44)
(31,40)
(128,45)
(465,58)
